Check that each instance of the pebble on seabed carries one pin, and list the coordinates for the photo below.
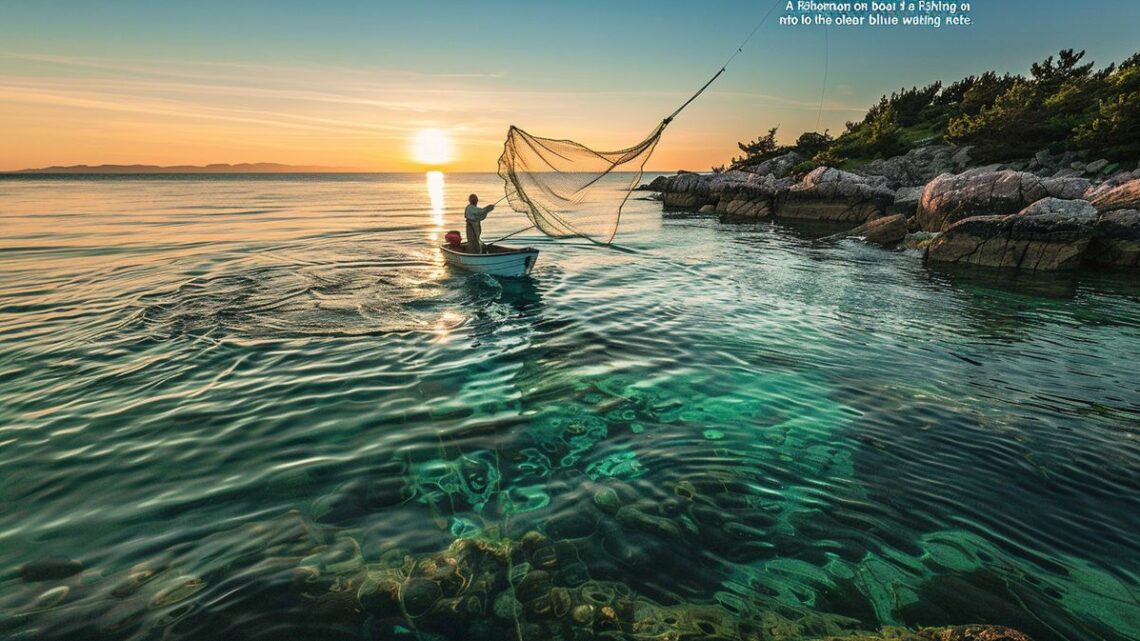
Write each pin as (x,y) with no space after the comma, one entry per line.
(49,569)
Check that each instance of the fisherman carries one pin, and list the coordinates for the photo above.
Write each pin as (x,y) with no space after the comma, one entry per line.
(475,215)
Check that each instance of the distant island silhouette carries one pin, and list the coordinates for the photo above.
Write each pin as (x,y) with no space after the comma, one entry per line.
(216,168)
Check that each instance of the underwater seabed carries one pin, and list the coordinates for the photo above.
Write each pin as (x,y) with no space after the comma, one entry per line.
(558,533)
(480,587)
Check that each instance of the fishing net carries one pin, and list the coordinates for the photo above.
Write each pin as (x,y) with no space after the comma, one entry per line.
(567,189)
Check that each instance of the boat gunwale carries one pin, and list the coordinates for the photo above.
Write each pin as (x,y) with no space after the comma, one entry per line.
(509,252)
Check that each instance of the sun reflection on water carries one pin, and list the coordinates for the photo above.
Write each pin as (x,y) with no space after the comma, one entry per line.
(436,198)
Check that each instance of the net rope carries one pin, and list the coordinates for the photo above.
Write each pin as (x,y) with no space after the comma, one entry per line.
(567,189)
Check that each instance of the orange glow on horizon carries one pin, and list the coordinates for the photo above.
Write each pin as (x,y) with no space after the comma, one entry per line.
(96,111)
(84,111)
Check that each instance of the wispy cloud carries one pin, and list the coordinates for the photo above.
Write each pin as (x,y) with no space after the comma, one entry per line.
(216,69)
(328,110)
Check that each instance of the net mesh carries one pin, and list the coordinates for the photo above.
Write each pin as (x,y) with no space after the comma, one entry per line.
(569,190)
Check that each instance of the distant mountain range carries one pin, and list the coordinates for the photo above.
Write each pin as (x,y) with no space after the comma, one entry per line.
(218,168)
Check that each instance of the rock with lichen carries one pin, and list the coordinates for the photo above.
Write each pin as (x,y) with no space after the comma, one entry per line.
(1049,235)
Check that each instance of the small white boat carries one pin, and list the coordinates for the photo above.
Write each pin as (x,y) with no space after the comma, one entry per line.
(497,260)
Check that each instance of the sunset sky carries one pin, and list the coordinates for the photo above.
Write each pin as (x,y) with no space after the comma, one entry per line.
(351,83)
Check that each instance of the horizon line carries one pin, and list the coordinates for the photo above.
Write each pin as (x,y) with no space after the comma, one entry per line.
(287,169)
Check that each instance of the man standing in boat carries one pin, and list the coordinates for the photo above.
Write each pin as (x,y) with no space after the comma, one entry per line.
(475,215)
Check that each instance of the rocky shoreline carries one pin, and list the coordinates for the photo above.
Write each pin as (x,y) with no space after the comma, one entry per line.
(1046,213)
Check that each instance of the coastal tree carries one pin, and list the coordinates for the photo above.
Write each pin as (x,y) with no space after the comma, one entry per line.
(1064,104)
(1049,76)
(984,91)
(811,143)
(759,149)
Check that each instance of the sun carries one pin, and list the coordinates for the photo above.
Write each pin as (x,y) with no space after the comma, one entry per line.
(432,147)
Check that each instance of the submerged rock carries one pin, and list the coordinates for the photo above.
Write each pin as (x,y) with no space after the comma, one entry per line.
(507,607)
(973,633)
(52,597)
(419,595)
(477,588)
(886,231)
(177,590)
(919,240)
(536,583)
(582,614)
(572,525)
(1049,235)
(608,500)
(633,518)
(49,569)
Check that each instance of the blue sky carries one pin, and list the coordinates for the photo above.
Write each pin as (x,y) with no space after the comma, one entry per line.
(230,81)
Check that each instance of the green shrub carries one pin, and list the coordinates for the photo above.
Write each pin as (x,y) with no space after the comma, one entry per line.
(1115,131)
(1062,105)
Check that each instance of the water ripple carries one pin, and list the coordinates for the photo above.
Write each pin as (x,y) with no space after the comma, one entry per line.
(192,369)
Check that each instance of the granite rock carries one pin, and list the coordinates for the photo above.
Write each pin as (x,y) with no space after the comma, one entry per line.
(1123,196)
(829,194)
(886,231)
(950,198)
(1116,240)
(1049,235)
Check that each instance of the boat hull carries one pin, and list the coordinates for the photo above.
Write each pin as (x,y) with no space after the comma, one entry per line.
(508,262)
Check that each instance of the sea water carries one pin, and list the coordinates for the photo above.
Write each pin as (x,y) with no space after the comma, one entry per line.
(709,415)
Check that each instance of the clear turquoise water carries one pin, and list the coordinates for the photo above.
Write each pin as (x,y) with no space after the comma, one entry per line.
(831,428)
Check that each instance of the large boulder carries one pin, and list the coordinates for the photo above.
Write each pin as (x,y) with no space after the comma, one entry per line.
(687,190)
(1116,240)
(742,207)
(918,166)
(1108,184)
(659,183)
(1096,166)
(735,194)
(906,201)
(950,198)
(1122,196)
(829,194)
(778,167)
(738,190)
(1049,235)
(750,198)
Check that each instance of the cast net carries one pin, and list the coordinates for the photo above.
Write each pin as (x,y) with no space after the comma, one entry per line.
(567,189)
